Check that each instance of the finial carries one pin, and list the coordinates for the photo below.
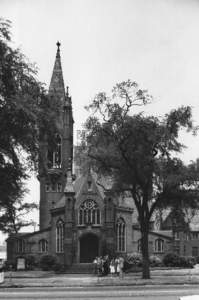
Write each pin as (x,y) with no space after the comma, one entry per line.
(58,45)
(67,93)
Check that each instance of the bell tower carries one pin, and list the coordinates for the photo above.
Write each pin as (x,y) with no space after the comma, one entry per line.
(57,159)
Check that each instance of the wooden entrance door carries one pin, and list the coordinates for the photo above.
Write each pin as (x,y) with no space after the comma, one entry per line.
(89,248)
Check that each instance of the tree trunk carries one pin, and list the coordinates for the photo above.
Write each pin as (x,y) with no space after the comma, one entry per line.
(145,250)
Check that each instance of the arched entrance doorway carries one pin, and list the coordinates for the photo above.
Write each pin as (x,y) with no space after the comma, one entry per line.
(89,248)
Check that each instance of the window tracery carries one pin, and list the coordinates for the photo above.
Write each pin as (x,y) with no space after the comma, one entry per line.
(54,156)
(159,245)
(89,213)
(60,236)
(43,245)
(20,246)
(121,235)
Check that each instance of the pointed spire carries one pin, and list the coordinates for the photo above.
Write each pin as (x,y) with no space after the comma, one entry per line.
(68,101)
(57,82)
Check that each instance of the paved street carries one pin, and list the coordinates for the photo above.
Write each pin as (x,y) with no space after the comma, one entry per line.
(89,293)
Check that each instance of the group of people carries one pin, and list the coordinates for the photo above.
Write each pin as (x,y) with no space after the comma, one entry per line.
(104,266)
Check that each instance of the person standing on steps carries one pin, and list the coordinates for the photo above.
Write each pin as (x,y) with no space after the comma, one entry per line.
(121,266)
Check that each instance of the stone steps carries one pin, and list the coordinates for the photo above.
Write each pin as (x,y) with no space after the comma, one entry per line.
(81,268)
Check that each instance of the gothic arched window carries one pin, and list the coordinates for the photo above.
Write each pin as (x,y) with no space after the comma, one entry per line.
(139,249)
(89,213)
(43,245)
(60,236)
(159,245)
(121,235)
(54,156)
(20,247)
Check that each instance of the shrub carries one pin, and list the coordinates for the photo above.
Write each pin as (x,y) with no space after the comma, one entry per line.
(190,261)
(134,259)
(174,260)
(58,268)
(30,262)
(155,261)
(171,260)
(9,265)
(47,262)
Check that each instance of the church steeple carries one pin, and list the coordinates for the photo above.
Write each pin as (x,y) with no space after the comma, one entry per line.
(56,159)
(56,87)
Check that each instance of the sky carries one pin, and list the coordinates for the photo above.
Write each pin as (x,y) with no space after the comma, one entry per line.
(103,42)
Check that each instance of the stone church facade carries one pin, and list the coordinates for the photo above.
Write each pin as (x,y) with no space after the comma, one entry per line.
(79,220)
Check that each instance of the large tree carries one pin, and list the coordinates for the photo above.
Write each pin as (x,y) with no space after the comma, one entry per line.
(25,114)
(138,151)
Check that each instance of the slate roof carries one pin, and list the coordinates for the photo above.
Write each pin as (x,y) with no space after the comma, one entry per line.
(24,234)
(160,233)
(102,184)
(165,233)
(193,219)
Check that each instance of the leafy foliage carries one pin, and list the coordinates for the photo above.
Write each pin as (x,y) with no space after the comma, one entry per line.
(47,262)
(138,152)
(31,262)
(174,260)
(155,261)
(25,113)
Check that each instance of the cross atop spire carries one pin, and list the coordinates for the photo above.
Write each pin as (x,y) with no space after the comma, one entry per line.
(58,48)
(58,45)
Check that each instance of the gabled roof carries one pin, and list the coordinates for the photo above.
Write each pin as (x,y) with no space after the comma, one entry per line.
(163,233)
(100,186)
(192,217)
(26,234)
(160,233)
(81,185)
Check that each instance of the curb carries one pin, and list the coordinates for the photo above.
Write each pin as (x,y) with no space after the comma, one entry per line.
(2,286)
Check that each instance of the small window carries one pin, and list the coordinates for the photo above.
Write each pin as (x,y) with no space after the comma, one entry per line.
(43,246)
(159,245)
(59,187)
(194,251)
(89,185)
(176,235)
(195,235)
(54,156)
(186,236)
(53,187)
(47,187)
(60,237)
(139,249)
(20,246)
(121,235)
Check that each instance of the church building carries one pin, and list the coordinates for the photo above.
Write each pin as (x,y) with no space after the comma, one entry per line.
(79,219)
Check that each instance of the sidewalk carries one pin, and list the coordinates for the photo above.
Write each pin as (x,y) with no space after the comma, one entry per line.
(50,279)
